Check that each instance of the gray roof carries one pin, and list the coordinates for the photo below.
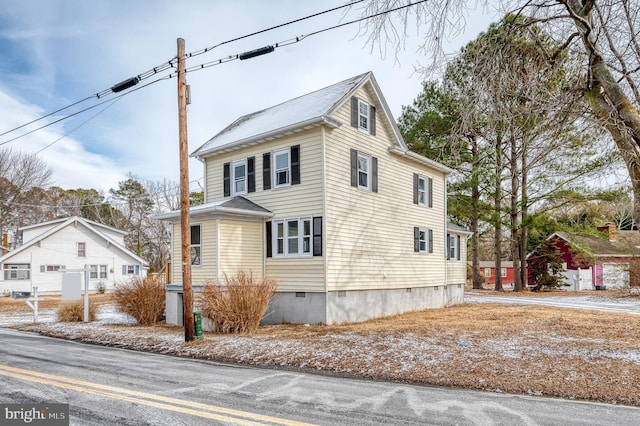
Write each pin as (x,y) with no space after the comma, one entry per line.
(296,114)
(236,206)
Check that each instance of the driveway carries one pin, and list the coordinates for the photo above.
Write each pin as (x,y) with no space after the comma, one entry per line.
(588,301)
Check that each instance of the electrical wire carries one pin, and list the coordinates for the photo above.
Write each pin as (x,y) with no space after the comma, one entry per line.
(78,126)
(172,63)
(217,61)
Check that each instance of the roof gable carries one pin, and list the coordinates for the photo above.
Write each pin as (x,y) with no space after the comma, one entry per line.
(63,223)
(310,110)
(627,243)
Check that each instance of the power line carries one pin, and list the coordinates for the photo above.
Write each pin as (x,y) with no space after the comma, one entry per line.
(167,65)
(209,64)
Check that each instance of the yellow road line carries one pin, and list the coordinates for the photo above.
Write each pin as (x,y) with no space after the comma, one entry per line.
(117,393)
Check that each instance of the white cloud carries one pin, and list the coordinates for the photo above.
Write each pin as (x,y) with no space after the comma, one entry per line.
(66,50)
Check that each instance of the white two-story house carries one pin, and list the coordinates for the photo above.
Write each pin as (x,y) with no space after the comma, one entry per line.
(321,193)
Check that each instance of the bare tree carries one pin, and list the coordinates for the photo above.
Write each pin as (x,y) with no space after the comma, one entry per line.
(19,173)
(605,34)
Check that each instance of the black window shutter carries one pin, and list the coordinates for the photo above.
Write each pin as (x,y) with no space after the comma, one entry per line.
(415,188)
(317,236)
(269,239)
(266,171)
(354,112)
(372,120)
(374,174)
(416,239)
(430,190)
(295,165)
(354,167)
(227,179)
(458,247)
(430,240)
(251,174)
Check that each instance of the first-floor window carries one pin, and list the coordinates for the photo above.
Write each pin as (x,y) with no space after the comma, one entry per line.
(503,272)
(487,272)
(130,269)
(422,240)
(451,245)
(293,237)
(195,245)
(99,271)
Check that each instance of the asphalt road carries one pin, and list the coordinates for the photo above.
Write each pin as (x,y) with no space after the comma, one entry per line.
(107,386)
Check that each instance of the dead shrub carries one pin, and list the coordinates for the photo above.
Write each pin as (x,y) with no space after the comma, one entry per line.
(73,311)
(239,304)
(142,299)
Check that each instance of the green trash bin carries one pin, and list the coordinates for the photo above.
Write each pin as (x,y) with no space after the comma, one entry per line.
(197,321)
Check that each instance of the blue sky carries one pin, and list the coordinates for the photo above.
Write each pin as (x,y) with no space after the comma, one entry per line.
(56,52)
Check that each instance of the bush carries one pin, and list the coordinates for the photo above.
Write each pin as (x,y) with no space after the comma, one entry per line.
(73,311)
(240,304)
(142,299)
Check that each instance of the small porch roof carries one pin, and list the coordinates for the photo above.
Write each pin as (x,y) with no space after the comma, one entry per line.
(236,207)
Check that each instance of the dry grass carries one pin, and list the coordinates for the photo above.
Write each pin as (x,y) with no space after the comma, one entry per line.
(142,299)
(8,304)
(73,311)
(568,353)
(239,305)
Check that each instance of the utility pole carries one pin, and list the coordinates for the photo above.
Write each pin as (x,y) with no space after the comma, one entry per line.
(185,227)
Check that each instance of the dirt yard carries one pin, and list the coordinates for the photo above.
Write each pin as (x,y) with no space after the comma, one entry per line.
(535,350)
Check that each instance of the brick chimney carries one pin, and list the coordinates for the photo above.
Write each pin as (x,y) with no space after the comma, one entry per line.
(609,229)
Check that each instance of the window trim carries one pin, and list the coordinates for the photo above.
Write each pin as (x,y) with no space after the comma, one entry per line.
(367,172)
(234,178)
(82,250)
(367,116)
(276,170)
(197,245)
(285,239)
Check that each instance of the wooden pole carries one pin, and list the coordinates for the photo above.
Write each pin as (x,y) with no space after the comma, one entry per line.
(185,227)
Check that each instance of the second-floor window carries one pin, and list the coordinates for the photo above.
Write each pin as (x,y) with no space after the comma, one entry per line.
(239,169)
(422,190)
(422,240)
(82,249)
(281,168)
(364,171)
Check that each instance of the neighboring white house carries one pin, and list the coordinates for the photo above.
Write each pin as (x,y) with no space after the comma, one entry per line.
(51,248)
(322,193)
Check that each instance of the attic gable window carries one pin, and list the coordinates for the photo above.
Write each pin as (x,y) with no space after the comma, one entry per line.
(363,116)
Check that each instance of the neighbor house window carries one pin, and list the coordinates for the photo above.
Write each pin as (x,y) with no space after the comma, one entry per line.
(82,249)
(17,272)
(195,245)
(239,169)
(130,269)
(281,168)
(503,272)
(51,268)
(364,167)
(487,272)
(98,271)
(293,237)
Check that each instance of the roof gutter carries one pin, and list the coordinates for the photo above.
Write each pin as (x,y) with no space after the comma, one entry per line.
(272,134)
(419,158)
